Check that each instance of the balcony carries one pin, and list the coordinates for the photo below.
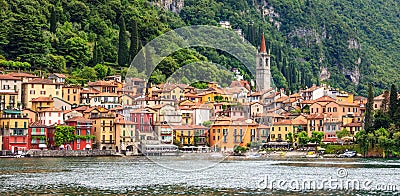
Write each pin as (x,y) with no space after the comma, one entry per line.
(38,133)
(36,141)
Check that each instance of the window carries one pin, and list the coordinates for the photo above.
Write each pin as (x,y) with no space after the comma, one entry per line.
(42,86)
(25,125)
(32,92)
(16,125)
(111,139)
(334,109)
(123,133)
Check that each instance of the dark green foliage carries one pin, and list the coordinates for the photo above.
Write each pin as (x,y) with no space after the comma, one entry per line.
(393,103)
(123,54)
(134,47)
(369,115)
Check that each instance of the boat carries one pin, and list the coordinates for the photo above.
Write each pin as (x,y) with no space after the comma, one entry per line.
(252,156)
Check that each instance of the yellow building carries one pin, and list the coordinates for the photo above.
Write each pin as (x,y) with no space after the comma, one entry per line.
(104,131)
(71,94)
(125,135)
(225,134)
(39,88)
(280,131)
(8,100)
(170,91)
(208,96)
(184,134)
(14,128)
(315,122)
(42,103)
(345,97)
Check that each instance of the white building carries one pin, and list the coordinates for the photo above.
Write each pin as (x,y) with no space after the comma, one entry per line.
(51,116)
(11,83)
(106,100)
(312,93)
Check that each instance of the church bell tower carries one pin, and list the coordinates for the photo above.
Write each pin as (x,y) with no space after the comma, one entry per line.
(263,68)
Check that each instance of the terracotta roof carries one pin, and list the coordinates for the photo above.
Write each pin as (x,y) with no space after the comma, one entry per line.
(282,122)
(47,99)
(78,119)
(37,124)
(282,99)
(300,120)
(325,99)
(121,120)
(8,77)
(191,95)
(102,83)
(81,108)
(41,81)
(355,124)
(90,90)
(51,110)
(22,75)
(159,106)
(187,103)
(307,102)
(313,88)
(59,75)
(315,116)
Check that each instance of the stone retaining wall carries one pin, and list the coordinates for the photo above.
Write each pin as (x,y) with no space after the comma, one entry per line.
(70,153)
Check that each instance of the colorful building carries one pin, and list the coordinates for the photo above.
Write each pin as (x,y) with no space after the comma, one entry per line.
(37,136)
(225,134)
(84,131)
(14,130)
(71,94)
(39,88)
(103,123)
(125,135)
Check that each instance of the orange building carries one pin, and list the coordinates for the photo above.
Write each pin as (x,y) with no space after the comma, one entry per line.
(225,134)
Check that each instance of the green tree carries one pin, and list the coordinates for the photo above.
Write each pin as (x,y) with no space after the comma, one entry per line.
(53,20)
(362,140)
(77,53)
(303,138)
(64,135)
(101,71)
(56,63)
(393,103)
(133,49)
(369,117)
(342,133)
(123,53)
(88,73)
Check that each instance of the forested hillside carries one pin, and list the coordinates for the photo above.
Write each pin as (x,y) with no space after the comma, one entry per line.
(346,44)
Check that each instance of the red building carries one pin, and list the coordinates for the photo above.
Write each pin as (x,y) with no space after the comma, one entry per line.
(14,131)
(37,134)
(144,119)
(84,128)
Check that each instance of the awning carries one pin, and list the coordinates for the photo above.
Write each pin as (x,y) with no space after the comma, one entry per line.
(88,146)
(42,146)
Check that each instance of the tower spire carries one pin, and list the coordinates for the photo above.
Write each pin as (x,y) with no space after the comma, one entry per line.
(263,48)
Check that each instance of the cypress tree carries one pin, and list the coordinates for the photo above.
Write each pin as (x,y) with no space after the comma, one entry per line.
(123,54)
(53,20)
(393,102)
(133,50)
(369,121)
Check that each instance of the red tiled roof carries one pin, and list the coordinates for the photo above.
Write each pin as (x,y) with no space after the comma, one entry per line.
(59,75)
(47,99)
(41,81)
(22,75)
(8,77)
(325,99)
(283,122)
(81,108)
(78,119)
(315,116)
(355,124)
(102,83)
(37,124)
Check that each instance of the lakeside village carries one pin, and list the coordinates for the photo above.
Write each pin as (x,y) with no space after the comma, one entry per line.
(123,116)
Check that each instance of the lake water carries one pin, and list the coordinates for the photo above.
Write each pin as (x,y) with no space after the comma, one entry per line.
(198,174)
